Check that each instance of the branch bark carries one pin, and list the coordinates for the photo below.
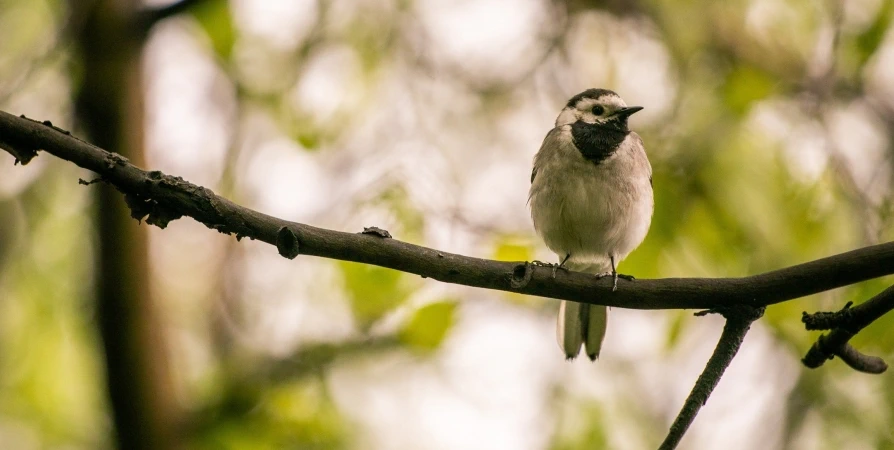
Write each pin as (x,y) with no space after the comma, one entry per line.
(845,324)
(161,198)
(738,322)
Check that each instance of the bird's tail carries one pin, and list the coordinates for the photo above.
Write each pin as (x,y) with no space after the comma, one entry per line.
(581,324)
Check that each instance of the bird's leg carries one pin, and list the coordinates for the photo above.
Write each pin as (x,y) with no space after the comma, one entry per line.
(614,274)
(561,264)
(555,267)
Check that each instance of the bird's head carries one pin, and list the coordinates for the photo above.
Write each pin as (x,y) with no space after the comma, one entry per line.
(597,107)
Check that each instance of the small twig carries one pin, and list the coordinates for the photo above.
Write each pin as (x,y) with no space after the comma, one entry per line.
(84,182)
(835,344)
(738,321)
(845,324)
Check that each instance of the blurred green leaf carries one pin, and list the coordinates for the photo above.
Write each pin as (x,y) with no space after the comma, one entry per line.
(746,85)
(675,330)
(408,217)
(513,248)
(309,139)
(428,327)
(870,39)
(373,291)
(584,430)
(214,17)
(297,415)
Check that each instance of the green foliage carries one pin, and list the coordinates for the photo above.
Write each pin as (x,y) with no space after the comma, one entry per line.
(409,221)
(296,415)
(372,291)
(215,18)
(868,41)
(586,429)
(45,325)
(745,85)
(730,201)
(429,325)
(513,248)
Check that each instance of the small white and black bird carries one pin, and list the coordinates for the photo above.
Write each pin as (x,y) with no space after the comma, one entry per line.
(591,202)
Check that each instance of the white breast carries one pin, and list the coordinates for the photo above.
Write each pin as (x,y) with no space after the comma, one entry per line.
(591,211)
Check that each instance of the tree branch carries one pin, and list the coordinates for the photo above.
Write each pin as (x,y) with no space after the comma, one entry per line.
(845,324)
(161,198)
(738,321)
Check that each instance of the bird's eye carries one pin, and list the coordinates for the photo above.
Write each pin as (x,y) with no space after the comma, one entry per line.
(598,110)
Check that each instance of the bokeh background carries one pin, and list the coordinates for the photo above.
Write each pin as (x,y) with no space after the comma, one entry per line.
(769,124)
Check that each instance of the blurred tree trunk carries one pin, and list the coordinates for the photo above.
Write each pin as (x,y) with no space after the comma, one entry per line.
(110,108)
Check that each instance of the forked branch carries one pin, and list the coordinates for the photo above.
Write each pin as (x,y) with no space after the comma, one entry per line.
(845,324)
(161,198)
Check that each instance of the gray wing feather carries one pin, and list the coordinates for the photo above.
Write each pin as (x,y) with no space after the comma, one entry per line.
(549,140)
(641,155)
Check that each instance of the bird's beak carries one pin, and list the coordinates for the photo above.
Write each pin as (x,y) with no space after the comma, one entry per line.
(626,112)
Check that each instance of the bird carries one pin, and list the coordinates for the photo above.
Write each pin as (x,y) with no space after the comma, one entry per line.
(591,203)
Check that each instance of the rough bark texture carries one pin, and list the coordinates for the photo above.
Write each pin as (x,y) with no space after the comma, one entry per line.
(161,198)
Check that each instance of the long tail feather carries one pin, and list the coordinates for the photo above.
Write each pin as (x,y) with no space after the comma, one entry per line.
(569,330)
(597,322)
(582,324)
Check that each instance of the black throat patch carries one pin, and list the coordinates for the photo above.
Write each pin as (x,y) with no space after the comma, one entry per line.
(596,142)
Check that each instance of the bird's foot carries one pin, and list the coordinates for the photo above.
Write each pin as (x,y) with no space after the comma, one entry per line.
(555,267)
(615,276)
(608,274)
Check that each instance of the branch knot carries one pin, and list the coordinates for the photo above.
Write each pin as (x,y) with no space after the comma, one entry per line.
(824,320)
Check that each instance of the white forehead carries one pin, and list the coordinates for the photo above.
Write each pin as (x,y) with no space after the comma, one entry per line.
(587,103)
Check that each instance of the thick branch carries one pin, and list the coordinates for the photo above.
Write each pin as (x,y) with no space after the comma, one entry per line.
(738,321)
(845,324)
(162,198)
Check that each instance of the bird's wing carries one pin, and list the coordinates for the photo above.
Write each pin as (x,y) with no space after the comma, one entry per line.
(641,154)
(549,142)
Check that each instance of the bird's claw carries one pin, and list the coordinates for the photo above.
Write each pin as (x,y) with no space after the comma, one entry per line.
(615,276)
(555,267)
